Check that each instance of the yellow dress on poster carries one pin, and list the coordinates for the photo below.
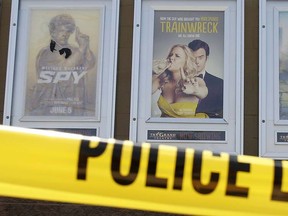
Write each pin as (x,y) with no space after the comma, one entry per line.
(179,109)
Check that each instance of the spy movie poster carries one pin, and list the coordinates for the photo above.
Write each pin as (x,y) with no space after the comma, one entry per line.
(283,65)
(62,62)
(188,64)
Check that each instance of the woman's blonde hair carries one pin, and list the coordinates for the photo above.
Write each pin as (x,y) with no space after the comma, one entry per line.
(189,67)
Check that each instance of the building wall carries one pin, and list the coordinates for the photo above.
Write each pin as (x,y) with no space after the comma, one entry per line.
(10,206)
(251,83)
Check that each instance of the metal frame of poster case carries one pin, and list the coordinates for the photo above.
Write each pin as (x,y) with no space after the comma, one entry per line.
(273,79)
(61,55)
(219,134)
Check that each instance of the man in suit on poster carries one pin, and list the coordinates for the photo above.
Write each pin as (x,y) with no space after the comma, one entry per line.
(212,105)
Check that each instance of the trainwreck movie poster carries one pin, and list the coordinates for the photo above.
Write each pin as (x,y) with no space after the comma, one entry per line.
(178,88)
(283,65)
(62,62)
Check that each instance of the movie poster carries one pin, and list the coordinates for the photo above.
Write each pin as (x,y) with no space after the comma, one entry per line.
(62,62)
(283,65)
(178,88)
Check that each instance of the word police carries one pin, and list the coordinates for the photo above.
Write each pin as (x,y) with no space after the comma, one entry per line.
(233,186)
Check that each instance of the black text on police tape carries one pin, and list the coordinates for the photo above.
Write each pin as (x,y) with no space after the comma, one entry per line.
(232,189)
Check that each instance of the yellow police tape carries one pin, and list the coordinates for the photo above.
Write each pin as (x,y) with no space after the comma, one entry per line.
(63,167)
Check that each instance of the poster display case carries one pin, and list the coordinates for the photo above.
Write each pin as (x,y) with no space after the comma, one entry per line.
(187,78)
(273,79)
(61,56)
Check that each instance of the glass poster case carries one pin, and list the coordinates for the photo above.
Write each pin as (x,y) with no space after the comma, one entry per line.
(273,71)
(187,78)
(58,52)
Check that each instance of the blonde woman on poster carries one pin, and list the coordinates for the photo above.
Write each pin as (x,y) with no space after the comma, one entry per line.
(180,89)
